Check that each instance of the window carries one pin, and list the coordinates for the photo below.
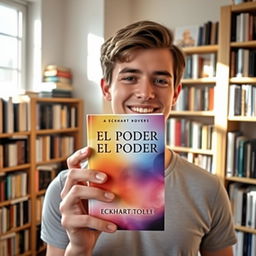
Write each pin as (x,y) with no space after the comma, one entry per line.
(12,46)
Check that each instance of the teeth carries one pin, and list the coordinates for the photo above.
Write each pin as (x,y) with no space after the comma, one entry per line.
(142,110)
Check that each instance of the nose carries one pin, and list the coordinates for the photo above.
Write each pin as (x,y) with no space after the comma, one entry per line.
(145,90)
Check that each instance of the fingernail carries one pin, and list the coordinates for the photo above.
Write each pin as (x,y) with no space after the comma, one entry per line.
(109,195)
(100,176)
(111,227)
(83,150)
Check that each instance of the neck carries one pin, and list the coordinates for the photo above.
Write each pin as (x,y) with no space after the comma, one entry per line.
(168,157)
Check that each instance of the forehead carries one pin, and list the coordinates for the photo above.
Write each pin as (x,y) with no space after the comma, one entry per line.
(148,60)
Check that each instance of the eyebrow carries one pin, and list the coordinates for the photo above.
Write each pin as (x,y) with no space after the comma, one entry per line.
(137,71)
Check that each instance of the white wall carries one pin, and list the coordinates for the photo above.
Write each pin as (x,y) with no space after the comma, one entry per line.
(66,25)
(83,18)
(172,13)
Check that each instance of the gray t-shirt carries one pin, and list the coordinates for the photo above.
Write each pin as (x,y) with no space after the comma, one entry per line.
(197,215)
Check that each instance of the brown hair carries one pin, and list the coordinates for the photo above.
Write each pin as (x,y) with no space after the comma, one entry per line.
(140,35)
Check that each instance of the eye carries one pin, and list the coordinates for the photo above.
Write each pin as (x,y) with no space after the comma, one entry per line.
(129,79)
(161,82)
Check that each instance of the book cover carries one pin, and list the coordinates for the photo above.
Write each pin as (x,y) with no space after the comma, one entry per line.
(130,150)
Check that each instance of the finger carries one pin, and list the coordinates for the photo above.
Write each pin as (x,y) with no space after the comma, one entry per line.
(79,156)
(82,176)
(80,192)
(82,221)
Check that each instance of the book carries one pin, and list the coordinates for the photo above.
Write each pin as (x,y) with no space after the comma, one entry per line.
(130,150)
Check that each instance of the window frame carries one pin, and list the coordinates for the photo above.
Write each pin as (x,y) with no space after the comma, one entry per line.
(22,7)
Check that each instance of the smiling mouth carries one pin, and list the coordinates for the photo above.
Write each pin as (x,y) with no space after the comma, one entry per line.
(143,109)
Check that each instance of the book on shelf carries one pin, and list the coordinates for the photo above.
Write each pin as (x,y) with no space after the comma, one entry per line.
(241,155)
(195,98)
(44,175)
(188,133)
(242,100)
(200,66)
(130,150)
(195,35)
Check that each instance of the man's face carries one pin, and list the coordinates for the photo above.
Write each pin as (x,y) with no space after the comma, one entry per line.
(143,85)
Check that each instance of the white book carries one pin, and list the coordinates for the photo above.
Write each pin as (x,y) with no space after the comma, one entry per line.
(240,243)
(230,169)
(195,58)
(253,214)
(253,247)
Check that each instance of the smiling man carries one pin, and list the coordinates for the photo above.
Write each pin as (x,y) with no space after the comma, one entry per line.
(142,72)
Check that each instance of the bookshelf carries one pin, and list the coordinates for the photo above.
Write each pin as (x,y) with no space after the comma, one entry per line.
(48,146)
(196,86)
(236,115)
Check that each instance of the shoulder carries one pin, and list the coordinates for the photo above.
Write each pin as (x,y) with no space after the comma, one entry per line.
(56,186)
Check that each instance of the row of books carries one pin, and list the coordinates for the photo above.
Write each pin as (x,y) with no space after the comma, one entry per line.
(200,66)
(14,114)
(189,133)
(243,204)
(14,215)
(13,186)
(195,98)
(243,63)
(246,244)
(243,27)
(55,146)
(241,155)
(242,100)
(39,206)
(15,243)
(242,1)
(55,116)
(57,82)
(13,152)
(44,175)
(203,161)
(196,35)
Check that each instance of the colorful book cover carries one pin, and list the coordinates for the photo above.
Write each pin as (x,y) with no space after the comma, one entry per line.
(130,150)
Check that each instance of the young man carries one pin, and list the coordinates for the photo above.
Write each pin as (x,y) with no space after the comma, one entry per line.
(142,71)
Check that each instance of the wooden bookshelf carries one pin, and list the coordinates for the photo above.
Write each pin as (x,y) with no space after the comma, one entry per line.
(73,129)
(204,116)
(225,122)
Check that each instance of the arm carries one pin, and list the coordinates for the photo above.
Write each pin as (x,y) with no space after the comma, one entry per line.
(53,251)
(222,252)
(82,229)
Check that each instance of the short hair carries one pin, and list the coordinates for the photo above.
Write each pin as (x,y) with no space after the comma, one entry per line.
(140,35)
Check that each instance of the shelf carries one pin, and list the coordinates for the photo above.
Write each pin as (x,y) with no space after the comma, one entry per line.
(242,180)
(14,134)
(193,113)
(242,118)
(56,160)
(200,49)
(15,168)
(40,193)
(204,80)
(243,7)
(245,229)
(243,80)
(246,44)
(56,100)
(192,150)
(51,131)
(14,201)
(14,230)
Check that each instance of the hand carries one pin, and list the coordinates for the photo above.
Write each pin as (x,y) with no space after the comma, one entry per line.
(83,230)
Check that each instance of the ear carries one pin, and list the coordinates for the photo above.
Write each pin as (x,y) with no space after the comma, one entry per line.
(105,87)
(176,94)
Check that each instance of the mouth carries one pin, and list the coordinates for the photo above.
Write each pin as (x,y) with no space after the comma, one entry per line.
(143,110)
